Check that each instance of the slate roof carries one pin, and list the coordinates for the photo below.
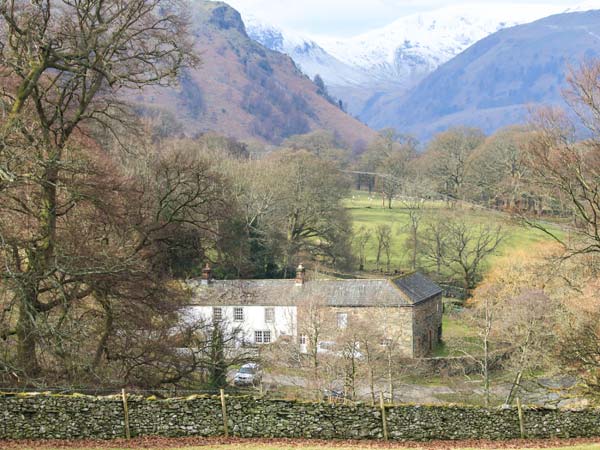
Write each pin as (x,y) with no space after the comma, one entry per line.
(403,291)
(417,287)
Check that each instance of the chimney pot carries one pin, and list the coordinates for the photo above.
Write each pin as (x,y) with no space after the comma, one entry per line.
(300,275)
(206,274)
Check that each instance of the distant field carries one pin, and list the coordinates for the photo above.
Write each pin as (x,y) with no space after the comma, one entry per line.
(367,211)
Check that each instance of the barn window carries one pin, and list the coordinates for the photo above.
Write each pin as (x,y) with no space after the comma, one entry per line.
(342,320)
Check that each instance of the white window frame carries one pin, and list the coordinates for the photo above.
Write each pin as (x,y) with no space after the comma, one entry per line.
(238,314)
(269,315)
(262,336)
(217,314)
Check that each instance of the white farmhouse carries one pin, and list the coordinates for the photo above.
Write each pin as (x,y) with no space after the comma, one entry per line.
(410,306)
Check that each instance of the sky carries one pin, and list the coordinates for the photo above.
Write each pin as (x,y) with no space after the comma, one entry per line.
(349,17)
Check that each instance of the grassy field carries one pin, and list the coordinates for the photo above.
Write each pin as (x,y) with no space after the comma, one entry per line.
(454,331)
(367,211)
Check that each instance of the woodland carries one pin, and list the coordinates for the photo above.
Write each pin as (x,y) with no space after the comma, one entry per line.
(106,209)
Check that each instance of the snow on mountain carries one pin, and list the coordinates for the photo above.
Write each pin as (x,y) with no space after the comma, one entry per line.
(584,6)
(404,51)
(306,53)
(415,45)
(395,58)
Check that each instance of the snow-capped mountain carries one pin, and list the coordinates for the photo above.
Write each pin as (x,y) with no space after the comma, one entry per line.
(306,53)
(415,45)
(497,81)
(399,55)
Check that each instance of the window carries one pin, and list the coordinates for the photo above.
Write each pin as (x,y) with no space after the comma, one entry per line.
(238,314)
(269,315)
(217,314)
(262,337)
(342,320)
(303,339)
(386,342)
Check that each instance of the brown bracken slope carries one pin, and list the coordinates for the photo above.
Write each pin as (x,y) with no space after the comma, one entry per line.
(246,91)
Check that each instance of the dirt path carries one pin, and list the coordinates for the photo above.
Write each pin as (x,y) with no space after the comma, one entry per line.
(164,443)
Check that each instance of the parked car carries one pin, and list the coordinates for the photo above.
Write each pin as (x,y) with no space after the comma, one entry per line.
(249,374)
(334,395)
(332,348)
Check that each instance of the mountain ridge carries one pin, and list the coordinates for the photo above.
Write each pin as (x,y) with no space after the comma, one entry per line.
(246,91)
(496,82)
(393,59)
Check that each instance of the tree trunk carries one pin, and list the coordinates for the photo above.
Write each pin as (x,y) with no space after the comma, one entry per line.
(106,333)
(40,259)
(26,335)
(486,372)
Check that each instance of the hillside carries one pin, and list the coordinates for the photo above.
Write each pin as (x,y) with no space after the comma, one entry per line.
(246,91)
(394,58)
(494,82)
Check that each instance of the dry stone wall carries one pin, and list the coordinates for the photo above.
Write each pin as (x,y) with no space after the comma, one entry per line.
(76,417)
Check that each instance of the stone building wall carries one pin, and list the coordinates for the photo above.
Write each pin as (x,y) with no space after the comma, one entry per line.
(427,326)
(78,417)
(396,321)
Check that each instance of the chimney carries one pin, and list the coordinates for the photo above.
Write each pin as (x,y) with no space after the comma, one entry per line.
(300,275)
(206,274)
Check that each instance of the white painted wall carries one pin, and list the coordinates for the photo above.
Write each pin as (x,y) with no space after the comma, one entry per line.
(285,320)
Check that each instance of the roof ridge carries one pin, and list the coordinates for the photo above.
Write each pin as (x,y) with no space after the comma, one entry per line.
(404,275)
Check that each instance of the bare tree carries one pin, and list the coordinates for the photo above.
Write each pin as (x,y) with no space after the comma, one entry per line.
(309,215)
(498,172)
(467,247)
(433,245)
(361,240)
(415,216)
(314,327)
(566,166)
(564,160)
(384,244)
(527,321)
(447,159)
(65,67)
(482,318)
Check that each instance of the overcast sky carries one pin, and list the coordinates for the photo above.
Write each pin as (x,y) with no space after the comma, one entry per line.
(349,17)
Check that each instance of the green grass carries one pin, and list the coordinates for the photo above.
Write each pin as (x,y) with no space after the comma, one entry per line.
(368,212)
(454,330)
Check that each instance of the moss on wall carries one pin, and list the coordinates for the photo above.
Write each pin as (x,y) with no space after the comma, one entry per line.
(75,417)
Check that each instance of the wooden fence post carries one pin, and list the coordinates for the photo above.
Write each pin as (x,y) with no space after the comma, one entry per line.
(383,416)
(224,411)
(126,414)
(521,418)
